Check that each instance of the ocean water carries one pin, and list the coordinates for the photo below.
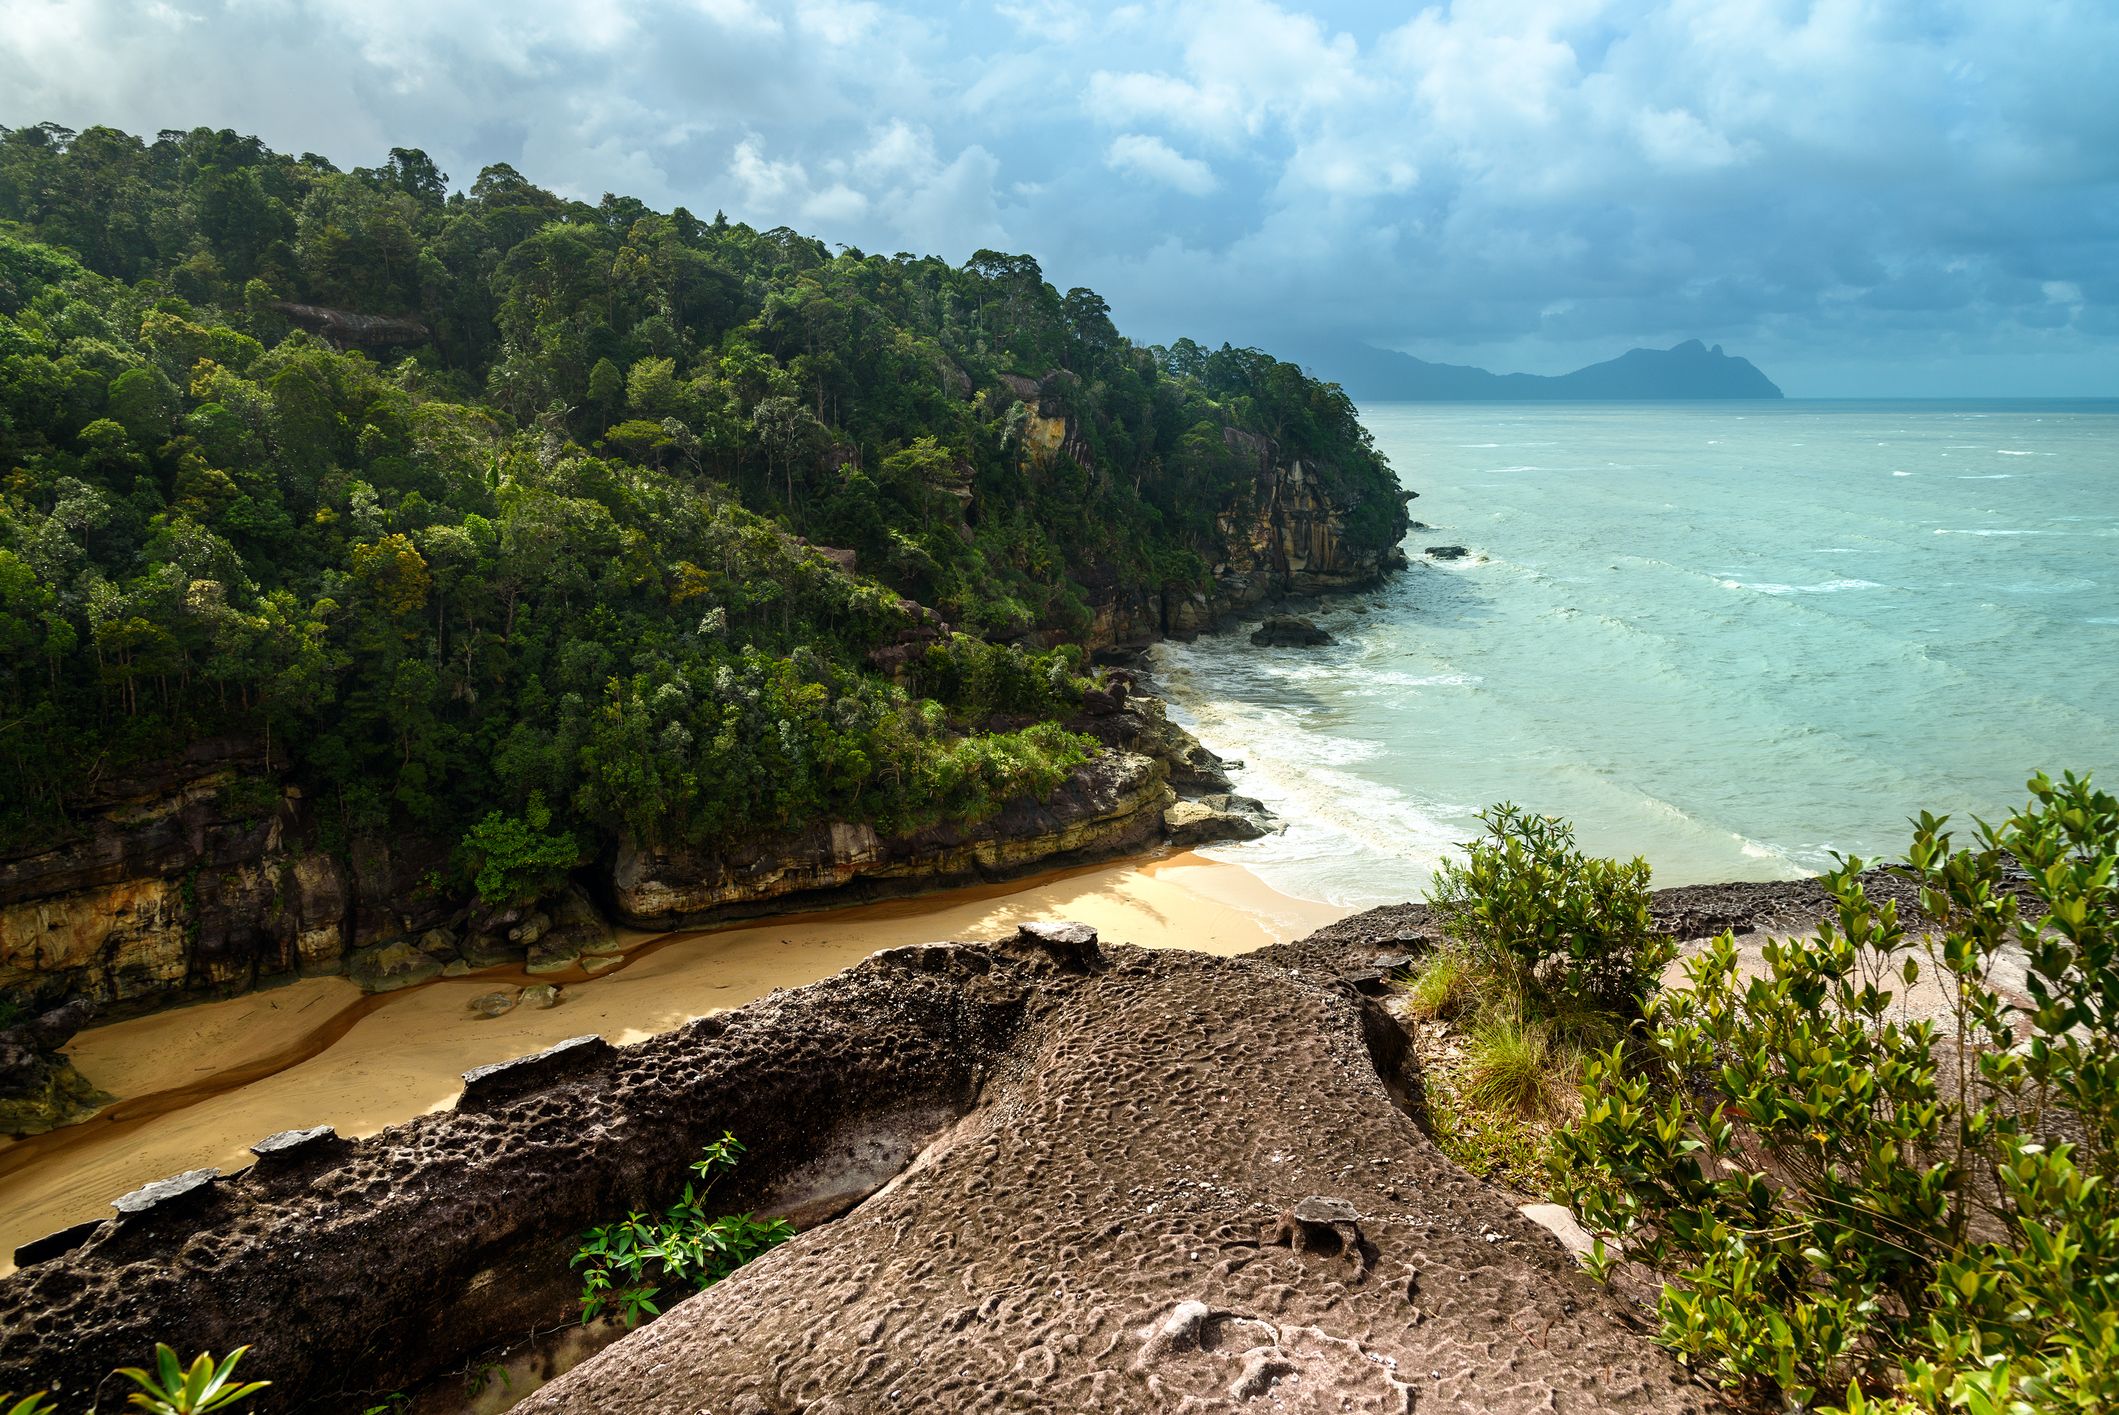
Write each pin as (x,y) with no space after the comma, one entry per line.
(1732,638)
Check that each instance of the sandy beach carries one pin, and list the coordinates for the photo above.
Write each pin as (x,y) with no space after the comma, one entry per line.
(197,1085)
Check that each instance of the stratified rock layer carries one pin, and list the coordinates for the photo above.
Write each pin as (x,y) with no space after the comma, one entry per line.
(1110,806)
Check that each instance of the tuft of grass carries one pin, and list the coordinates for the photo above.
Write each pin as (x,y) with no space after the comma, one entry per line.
(1513,1066)
(1442,986)
(1498,1148)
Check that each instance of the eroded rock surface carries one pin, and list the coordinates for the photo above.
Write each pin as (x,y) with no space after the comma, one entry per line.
(374,1265)
(1187,1188)
(1110,1179)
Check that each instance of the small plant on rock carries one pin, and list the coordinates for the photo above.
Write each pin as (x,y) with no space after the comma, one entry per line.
(626,1265)
(173,1389)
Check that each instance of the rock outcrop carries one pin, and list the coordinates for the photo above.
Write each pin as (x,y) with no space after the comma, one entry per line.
(198,879)
(1110,806)
(1289,631)
(1294,527)
(1080,1178)
(39,1088)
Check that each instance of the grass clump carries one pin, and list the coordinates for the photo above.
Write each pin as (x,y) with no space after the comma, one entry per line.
(1441,986)
(1514,1067)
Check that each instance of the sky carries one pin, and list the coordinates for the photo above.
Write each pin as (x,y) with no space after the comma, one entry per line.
(1865,197)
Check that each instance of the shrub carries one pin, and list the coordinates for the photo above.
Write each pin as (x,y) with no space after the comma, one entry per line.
(683,1246)
(1851,1202)
(515,859)
(1566,931)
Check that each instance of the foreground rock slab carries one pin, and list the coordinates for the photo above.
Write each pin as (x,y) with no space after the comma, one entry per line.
(1044,1173)
(1189,1187)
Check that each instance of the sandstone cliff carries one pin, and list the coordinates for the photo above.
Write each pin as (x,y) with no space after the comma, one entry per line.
(1112,806)
(201,877)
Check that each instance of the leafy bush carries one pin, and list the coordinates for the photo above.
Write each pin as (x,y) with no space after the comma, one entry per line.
(514,859)
(1919,1216)
(1566,931)
(683,1246)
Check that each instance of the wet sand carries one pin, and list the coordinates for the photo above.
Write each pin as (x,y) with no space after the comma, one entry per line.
(197,1085)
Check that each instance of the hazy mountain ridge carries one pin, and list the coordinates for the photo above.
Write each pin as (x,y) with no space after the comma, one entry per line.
(1684,371)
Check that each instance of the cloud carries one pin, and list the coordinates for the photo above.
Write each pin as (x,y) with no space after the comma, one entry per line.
(1153,160)
(1529,180)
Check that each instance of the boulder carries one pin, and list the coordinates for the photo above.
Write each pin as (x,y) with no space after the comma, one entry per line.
(1190,823)
(438,943)
(493,1004)
(553,956)
(1289,631)
(390,966)
(489,950)
(542,995)
(1446,552)
(531,929)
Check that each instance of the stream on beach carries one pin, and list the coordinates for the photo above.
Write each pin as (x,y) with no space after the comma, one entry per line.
(197,1085)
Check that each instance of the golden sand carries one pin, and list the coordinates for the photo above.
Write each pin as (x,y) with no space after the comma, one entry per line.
(197,1085)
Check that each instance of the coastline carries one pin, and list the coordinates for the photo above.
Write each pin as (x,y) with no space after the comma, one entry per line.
(197,1085)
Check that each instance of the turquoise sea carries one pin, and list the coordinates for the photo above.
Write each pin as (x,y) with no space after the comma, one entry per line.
(1732,638)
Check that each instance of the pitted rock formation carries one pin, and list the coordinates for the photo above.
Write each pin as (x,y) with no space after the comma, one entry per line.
(1070,1164)
(1096,1235)
(356,1268)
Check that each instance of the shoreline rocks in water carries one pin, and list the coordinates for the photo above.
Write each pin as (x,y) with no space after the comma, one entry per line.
(1290,631)
(1218,817)
(1120,1131)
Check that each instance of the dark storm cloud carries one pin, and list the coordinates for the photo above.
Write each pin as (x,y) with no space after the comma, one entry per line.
(1885,186)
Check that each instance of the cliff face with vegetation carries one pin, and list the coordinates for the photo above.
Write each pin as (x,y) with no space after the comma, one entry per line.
(377,560)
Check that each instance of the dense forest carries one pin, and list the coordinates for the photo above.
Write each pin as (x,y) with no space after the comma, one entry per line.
(497,517)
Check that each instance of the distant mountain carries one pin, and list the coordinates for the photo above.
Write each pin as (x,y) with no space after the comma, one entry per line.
(1690,370)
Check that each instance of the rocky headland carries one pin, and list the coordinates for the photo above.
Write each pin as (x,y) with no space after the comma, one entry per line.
(211,872)
(1047,1170)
